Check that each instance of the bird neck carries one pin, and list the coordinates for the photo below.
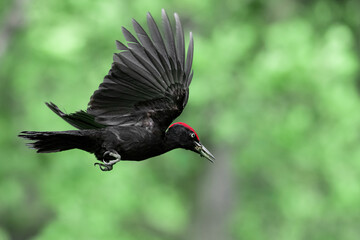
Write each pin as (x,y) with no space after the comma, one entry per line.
(170,143)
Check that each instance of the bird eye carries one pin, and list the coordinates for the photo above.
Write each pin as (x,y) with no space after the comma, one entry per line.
(192,135)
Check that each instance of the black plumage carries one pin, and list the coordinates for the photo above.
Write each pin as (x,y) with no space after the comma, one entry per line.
(128,117)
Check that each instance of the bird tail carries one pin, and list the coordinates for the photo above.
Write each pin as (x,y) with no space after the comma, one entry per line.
(47,142)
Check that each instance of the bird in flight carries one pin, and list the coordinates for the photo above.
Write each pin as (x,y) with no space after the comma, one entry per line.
(129,117)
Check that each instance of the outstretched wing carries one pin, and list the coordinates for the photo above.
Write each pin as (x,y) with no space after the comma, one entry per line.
(148,82)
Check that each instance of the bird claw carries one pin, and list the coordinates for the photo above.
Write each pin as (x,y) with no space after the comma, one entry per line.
(107,165)
(104,167)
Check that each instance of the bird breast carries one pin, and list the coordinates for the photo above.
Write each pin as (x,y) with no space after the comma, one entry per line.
(134,143)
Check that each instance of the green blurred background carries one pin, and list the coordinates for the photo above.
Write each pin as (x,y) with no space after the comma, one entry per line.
(275,97)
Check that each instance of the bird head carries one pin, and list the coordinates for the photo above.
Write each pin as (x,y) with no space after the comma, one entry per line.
(184,136)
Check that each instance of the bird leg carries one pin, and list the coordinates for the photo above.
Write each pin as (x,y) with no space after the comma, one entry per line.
(109,159)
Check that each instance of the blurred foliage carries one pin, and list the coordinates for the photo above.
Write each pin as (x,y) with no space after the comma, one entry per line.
(275,96)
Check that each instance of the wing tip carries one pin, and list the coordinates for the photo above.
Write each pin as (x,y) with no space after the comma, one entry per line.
(165,17)
(55,109)
(120,46)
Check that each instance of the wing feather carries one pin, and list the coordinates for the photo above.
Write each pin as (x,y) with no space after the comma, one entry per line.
(159,43)
(189,57)
(148,83)
(169,39)
(149,46)
(144,38)
(180,42)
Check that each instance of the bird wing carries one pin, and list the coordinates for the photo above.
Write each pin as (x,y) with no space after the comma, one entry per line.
(79,119)
(148,82)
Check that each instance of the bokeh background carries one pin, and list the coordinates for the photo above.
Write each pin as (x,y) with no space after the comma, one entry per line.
(275,97)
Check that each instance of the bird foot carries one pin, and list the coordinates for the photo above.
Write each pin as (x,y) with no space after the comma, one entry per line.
(109,159)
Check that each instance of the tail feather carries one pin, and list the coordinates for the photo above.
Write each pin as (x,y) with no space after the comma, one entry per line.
(46,142)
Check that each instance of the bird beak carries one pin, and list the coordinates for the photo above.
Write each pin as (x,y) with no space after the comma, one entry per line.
(204,152)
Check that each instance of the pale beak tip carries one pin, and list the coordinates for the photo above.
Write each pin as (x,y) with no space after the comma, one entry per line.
(204,152)
(207,154)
